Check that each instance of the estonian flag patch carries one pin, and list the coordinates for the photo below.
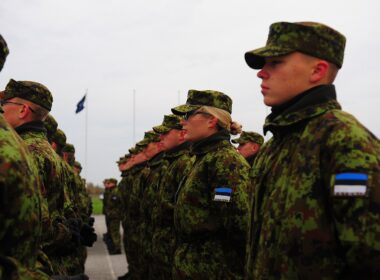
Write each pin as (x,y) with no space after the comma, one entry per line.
(223,194)
(350,184)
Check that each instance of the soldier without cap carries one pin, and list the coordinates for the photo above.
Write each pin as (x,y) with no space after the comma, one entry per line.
(316,208)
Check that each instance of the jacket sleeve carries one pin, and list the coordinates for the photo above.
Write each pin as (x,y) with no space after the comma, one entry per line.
(352,172)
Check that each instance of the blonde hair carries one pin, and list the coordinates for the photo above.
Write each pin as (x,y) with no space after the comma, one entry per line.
(224,119)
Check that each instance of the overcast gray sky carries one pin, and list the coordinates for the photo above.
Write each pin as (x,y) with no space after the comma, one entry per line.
(164,47)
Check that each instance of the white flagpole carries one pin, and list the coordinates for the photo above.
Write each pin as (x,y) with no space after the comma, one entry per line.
(86,133)
(134,116)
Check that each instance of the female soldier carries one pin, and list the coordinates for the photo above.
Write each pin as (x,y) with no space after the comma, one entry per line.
(211,203)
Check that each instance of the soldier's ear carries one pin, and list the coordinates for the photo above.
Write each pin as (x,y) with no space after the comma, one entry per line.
(212,122)
(319,71)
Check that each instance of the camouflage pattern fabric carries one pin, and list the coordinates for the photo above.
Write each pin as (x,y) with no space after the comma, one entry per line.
(51,126)
(55,234)
(311,38)
(163,241)
(315,209)
(112,205)
(170,122)
(157,166)
(149,137)
(4,51)
(248,136)
(199,98)
(139,174)
(211,213)
(32,91)
(20,204)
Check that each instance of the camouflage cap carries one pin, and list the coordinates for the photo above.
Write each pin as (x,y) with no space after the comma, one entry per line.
(4,51)
(68,148)
(59,137)
(134,151)
(170,122)
(112,180)
(247,136)
(31,91)
(149,137)
(123,159)
(51,125)
(199,98)
(78,165)
(311,38)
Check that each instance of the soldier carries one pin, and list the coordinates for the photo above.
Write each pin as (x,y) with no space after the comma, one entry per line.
(179,163)
(20,203)
(26,105)
(210,215)
(315,212)
(139,173)
(249,145)
(113,216)
(149,187)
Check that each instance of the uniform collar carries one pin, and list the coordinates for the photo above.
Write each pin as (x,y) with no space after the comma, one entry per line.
(211,143)
(156,160)
(35,126)
(309,104)
(178,151)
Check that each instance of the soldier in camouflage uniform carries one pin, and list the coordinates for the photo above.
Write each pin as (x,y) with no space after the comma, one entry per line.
(149,188)
(315,213)
(113,216)
(210,214)
(20,203)
(26,105)
(249,145)
(179,163)
(139,173)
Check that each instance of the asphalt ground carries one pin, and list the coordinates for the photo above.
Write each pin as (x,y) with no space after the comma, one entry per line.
(99,264)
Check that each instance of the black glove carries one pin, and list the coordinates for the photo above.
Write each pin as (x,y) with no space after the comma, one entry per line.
(88,235)
(75,226)
(91,221)
(75,277)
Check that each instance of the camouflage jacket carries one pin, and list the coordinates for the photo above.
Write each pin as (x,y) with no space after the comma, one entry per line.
(179,164)
(50,169)
(112,203)
(315,212)
(211,214)
(20,207)
(125,190)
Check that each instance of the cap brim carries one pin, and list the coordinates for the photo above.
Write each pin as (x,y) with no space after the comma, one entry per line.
(183,109)
(142,143)
(161,129)
(256,58)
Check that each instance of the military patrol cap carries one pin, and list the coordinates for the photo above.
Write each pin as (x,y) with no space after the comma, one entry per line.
(170,122)
(31,91)
(133,151)
(311,38)
(123,159)
(4,51)
(51,125)
(68,148)
(78,165)
(149,137)
(198,98)
(112,180)
(247,136)
(59,137)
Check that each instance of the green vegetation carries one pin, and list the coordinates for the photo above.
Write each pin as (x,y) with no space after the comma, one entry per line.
(97,205)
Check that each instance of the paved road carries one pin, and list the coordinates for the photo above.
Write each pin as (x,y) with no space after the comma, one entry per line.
(100,265)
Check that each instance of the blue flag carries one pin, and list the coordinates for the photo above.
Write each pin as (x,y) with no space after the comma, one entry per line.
(80,105)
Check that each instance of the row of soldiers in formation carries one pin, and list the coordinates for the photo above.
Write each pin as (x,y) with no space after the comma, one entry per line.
(308,207)
(45,222)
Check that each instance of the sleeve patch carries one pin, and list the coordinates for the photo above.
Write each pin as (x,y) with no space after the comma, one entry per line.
(223,194)
(350,184)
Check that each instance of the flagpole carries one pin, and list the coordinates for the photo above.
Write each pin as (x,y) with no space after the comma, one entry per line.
(86,134)
(134,116)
